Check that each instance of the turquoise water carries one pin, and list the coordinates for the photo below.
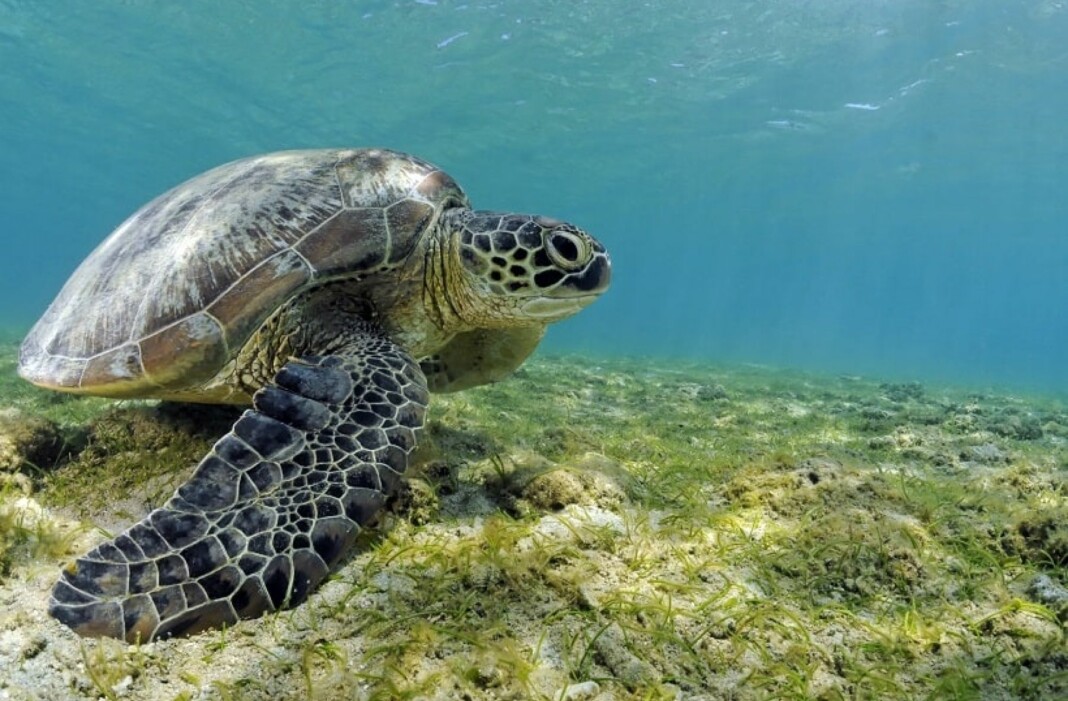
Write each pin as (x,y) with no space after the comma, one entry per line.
(847,185)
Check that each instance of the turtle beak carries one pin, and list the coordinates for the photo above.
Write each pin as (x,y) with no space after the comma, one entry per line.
(575,292)
(592,280)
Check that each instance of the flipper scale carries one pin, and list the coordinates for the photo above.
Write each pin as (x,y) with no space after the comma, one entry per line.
(266,515)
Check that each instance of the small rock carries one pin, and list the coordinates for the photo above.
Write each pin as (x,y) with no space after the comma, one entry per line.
(488,677)
(1046,591)
(632,672)
(554,490)
(416,501)
(33,647)
(812,471)
(1040,537)
(588,597)
(987,453)
(902,391)
(1025,428)
(122,685)
(583,524)
(577,692)
(592,480)
(713,393)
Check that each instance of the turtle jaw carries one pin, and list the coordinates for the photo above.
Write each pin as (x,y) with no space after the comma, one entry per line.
(573,293)
(555,308)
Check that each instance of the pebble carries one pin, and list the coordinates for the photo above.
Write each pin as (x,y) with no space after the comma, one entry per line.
(122,685)
(987,453)
(577,692)
(1046,591)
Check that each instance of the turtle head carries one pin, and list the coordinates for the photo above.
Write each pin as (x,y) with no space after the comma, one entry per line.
(518,268)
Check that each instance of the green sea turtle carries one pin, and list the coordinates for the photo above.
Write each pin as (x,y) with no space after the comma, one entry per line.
(332,289)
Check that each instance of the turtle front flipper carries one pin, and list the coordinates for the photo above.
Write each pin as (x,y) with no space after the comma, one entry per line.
(269,511)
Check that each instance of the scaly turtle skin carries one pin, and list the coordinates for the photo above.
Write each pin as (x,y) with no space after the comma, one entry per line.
(332,289)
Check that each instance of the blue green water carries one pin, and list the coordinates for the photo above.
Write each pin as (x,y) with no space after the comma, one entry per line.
(847,185)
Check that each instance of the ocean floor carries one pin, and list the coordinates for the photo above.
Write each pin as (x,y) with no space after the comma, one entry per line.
(595,529)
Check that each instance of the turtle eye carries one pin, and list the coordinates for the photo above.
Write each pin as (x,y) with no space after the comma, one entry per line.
(567,249)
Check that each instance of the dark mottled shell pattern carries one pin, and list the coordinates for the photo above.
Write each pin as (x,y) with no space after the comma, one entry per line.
(176,291)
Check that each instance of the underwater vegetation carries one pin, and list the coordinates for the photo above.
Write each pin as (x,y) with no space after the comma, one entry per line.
(598,528)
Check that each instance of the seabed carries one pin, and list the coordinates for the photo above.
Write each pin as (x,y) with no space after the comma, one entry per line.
(598,529)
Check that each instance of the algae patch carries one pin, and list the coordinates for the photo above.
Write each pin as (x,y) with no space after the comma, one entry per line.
(606,530)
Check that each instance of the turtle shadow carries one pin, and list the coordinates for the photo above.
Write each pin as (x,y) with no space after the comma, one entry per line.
(133,457)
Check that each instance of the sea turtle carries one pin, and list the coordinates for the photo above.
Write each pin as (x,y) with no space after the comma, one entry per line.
(332,289)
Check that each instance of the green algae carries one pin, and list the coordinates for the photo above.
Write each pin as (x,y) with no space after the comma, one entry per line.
(136,453)
(640,530)
(26,535)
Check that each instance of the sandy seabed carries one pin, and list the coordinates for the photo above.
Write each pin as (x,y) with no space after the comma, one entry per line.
(598,529)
